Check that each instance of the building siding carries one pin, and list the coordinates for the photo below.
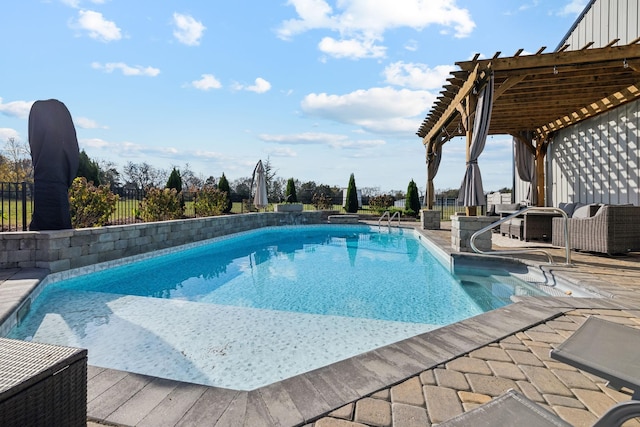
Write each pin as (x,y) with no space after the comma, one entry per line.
(596,161)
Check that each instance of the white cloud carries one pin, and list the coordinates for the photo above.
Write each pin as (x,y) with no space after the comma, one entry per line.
(359,20)
(417,76)
(319,138)
(76,3)
(260,86)
(187,30)
(282,152)
(379,110)
(411,45)
(94,143)
(19,109)
(573,7)
(206,82)
(85,123)
(6,133)
(126,70)
(207,155)
(97,26)
(71,3)
(352,48)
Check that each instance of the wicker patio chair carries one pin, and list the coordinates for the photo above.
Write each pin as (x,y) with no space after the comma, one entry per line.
(611,230)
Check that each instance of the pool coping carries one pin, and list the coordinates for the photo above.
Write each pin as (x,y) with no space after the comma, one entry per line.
(123,398)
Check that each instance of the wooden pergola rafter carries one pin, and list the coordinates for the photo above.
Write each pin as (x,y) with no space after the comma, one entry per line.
(540,93)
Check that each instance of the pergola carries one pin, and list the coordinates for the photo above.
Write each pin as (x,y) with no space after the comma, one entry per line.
(534,96)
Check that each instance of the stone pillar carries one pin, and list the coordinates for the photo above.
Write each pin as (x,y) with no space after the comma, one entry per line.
(463,227)
(430,219)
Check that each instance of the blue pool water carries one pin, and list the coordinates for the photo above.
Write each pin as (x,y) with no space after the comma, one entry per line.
(249,310)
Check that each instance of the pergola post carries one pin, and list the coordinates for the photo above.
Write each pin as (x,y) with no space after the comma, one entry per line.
(540,181)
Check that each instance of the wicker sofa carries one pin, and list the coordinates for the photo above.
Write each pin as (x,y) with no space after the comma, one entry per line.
(612,229)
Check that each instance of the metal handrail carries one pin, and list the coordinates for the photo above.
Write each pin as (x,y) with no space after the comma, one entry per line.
(389,218)
(515,214)
(393,216)
(387,214)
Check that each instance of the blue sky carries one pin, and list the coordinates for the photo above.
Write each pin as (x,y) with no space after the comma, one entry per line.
(323,88)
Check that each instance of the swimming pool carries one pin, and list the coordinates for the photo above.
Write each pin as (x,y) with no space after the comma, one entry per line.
(255,308)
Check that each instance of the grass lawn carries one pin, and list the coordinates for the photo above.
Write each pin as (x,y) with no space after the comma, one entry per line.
(12,214)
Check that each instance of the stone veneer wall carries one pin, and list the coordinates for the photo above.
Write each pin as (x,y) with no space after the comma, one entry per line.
(67,249)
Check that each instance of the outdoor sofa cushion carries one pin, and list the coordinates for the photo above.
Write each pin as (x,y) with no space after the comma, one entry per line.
(586,211)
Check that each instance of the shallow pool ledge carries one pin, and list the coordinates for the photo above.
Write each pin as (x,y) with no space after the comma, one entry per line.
(67,249)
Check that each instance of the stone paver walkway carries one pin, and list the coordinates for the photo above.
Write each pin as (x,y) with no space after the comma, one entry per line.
(520,361)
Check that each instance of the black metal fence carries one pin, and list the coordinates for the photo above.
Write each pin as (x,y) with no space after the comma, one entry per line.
(17,206)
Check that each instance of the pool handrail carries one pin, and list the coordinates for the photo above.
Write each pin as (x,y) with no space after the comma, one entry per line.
(515,214)
(389,218)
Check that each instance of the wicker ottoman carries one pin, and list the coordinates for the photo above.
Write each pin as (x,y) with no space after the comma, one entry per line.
(42,384)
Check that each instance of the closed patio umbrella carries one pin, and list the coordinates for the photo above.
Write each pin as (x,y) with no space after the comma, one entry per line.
(259,177)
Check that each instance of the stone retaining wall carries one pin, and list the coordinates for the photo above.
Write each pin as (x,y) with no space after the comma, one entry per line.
(67,249)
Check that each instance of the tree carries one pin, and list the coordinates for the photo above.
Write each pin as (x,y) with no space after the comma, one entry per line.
(290,195)
(143,175)
(278,186)
(175,180)
(18,166)
(351,204)
(190,182)
(273,194)
(109,174)
(223,185)
(242,189)
(306,190)
(88,169)
(412,206)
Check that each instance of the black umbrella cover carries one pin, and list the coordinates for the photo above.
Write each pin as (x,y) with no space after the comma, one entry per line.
(55,154)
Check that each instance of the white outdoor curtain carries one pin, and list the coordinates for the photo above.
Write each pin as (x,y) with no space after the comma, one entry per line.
(471,191)
(526,164)
(433,164)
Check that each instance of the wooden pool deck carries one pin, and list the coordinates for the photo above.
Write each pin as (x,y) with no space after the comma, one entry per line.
(419,381)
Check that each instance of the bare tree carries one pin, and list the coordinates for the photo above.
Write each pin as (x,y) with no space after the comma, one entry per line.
(190,181)
(109,174)
(19,158)
(144,176)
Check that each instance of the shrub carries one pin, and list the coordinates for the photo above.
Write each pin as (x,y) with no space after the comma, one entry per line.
(351,204)
(381,203)
(321,201)
(290,194)
(90,206)
(210,202)
(161,205)
(223,185)
(413,200)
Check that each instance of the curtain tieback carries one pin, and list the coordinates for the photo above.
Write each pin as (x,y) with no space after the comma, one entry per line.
(472,162)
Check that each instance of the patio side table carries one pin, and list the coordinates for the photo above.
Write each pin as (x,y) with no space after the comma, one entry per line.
(42,384)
